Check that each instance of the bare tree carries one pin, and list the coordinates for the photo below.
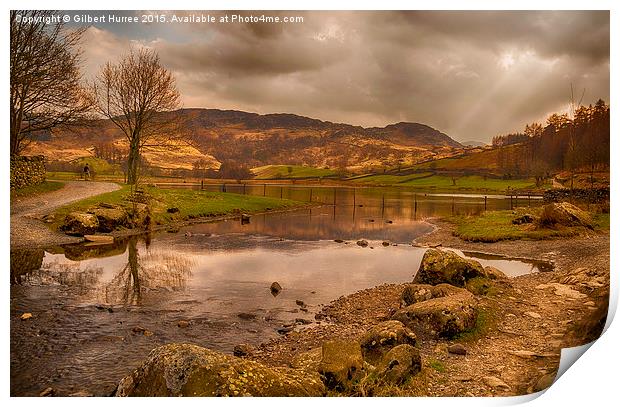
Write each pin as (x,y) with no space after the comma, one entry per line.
(46,88)
(139,96)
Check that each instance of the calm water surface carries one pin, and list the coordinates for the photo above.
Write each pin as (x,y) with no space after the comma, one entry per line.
(91,304)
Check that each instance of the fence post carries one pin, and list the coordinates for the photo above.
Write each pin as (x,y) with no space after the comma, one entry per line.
(334,198)
(280,191)
(310,195)
(485,202)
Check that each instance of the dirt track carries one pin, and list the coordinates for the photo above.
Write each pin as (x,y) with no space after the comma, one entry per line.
(27,229)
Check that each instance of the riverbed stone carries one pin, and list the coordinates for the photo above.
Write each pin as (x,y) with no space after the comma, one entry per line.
(341,364)
(275,288)
(444,266)
(441,316)
(457,349)
(400,364)
(80,224)
(384,336)
(190,370)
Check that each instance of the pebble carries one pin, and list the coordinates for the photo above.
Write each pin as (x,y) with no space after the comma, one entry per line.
(25,316)
(457,349)
(183,324)
(47,392)
(533,314)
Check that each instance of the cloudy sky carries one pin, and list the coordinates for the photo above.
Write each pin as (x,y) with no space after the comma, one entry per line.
(470,74)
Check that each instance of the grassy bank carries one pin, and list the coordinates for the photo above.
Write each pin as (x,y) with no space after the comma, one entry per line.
(453,184)
(191,204)
(47,186)
(494,226)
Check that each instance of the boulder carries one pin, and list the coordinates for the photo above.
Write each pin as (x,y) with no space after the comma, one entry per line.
(190,370)
(414,293)
(493,273)
(110,217)
(362,243)
(441,316)
(444,266)
(564,214)
(80,224)
(383,337)
(399,364)
(341,364)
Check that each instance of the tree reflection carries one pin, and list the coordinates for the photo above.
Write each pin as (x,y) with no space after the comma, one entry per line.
(142,274)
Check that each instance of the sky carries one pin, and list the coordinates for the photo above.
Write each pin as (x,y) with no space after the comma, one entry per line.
(469,74)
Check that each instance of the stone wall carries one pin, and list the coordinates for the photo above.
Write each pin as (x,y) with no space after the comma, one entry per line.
(26,171)
(595,195)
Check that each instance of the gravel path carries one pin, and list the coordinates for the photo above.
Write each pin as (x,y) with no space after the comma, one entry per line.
(27,229)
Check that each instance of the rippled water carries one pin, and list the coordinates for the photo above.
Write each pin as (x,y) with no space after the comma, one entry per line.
(93,304)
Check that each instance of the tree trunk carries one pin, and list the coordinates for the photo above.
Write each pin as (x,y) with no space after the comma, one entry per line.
(133,161)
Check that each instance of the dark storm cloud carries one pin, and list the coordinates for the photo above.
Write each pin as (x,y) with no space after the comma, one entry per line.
(470,74)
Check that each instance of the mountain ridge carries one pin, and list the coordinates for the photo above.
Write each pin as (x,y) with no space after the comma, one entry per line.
(254,139)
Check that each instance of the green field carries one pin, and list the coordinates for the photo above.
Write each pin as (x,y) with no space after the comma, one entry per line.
(291,172)
(494,226)
(444,182)
(191,204)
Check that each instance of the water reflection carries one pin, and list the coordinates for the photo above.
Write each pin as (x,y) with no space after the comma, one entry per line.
(140,275)
(23,262)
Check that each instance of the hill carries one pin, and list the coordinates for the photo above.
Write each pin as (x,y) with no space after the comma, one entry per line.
(257,140)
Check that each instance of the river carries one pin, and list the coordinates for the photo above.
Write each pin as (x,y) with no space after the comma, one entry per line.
(99,310)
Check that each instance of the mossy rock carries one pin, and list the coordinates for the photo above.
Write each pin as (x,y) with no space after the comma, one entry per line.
(444,266)
(444,316)
(341,364)
(384,336)
(190,370)
(400,364)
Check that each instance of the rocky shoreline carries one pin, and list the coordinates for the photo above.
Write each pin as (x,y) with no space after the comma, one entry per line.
(503,336)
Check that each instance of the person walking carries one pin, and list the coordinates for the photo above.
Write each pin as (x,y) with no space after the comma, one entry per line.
(86,172)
